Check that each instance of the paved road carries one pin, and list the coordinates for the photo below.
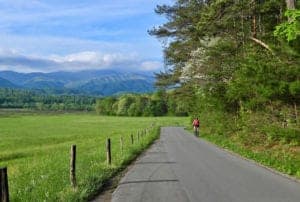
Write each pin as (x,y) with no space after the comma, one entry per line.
(180,168)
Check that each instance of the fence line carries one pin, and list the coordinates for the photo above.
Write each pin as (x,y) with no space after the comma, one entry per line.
(132,139)
(121,144)
(4,192)
(108,151)
(73,166)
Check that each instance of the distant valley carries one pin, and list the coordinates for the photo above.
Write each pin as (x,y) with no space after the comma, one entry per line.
(91,82)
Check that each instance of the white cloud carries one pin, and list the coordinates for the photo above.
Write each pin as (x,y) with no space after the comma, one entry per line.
(151,65)
(48,45)
(54,35)
(7,51)
(11,60)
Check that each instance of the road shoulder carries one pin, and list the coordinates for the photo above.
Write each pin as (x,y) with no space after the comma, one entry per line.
(150,179)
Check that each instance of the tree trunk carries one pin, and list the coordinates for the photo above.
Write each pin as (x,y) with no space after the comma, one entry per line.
(254,26)
(262,44)
(254,20)
(290,4)
(296,113)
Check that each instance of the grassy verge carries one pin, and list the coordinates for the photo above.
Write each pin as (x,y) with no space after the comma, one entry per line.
(35,148)
(281,161)
(278,149)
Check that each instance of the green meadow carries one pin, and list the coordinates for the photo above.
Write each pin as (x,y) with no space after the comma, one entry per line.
(36,150)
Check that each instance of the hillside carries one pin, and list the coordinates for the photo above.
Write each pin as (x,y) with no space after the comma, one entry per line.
(92,82)
(6,84)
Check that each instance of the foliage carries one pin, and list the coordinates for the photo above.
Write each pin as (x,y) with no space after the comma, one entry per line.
(30,99)
(159,103)
(228,49)
(289,30)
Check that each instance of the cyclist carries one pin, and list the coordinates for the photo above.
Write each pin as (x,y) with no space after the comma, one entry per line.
(196,124)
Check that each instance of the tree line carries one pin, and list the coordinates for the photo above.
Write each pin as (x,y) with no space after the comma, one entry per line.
(159,103)
(235,55)
(38,100)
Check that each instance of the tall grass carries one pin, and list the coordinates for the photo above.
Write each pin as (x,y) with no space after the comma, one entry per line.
(35,148)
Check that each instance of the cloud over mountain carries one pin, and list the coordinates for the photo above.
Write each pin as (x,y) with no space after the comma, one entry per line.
(87,60)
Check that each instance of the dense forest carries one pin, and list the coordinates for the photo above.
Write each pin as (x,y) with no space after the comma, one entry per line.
(238,54)
(39,100)
(238,57)
(159,103)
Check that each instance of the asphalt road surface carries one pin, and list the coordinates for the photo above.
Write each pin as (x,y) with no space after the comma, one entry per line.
(180,167)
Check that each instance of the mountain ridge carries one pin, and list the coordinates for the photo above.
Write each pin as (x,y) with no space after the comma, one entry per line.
(88,82)
(6,83)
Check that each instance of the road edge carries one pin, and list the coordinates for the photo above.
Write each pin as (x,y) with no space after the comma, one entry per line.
(105,195)
(247,159)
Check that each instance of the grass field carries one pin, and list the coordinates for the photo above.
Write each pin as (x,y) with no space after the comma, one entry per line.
(36,148)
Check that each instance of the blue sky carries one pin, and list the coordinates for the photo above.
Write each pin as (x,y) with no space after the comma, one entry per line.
(73,35)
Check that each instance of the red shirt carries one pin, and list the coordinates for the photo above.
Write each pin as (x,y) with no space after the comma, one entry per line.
(196,123)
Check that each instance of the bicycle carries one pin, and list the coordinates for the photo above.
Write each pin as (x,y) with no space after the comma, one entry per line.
(196,131)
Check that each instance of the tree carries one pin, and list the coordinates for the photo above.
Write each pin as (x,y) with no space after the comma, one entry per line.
(124,103)
(290,4)
(181,28)
(227,48)
(105,106)
(289,30)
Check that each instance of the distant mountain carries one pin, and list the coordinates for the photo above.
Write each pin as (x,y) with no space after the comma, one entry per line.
(92,82)
(7,84)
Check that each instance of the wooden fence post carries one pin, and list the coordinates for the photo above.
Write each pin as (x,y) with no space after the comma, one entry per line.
(121,144)
(108,151)
(132,140)
(73,166)
(4,195)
